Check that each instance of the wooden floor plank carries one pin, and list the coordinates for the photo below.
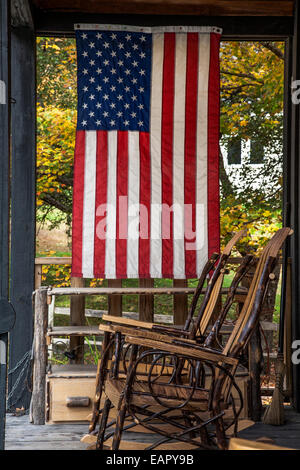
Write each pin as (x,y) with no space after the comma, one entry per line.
(22,435)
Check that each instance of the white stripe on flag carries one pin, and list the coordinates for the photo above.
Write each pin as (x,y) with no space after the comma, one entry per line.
(111,230)
(133,204)
(155,150)
(178,156)
(201,190)
(88,225)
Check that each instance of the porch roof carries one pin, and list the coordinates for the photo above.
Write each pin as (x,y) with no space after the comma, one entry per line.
(173,7)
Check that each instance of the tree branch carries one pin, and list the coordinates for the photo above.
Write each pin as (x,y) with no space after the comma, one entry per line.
(227,186)
(271,46)
(64,179)
(242,75)
(52,201)
(238,87)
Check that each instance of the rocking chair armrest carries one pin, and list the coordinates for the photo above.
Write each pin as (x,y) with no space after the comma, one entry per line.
(188,350)
(169,330)
(149,334)
(126,322)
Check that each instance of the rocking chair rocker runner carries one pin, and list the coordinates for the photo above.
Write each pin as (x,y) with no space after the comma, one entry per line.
(193,330)
(201,398)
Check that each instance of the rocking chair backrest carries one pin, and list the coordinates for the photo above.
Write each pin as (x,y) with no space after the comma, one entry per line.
(247,262)
(214,286)
(249,315)
(201,320)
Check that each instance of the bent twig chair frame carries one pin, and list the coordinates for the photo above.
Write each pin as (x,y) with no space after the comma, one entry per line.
(201,406)
(194,329)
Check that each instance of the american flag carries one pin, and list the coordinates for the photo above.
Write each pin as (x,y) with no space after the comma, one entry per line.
(146,177)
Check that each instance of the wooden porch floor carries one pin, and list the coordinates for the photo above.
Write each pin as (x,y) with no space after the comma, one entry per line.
(21,435)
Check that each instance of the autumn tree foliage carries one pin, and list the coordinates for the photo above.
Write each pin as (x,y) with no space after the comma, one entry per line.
(252,85)
(251,109)
(56,127)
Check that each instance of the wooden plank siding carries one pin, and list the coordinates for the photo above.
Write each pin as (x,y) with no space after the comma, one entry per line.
(22,205)
(4,147)
(4,194)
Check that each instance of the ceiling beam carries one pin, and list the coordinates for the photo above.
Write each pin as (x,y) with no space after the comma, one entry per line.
(62,24)
(172,7)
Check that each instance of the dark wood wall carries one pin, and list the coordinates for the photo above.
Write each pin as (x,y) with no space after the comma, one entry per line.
(4,194)
(294,172)
(22,207)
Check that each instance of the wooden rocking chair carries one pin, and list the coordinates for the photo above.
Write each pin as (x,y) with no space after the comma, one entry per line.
(193,330)
(193,405)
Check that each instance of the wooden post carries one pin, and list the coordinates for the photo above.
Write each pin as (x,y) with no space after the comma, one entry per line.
(77,318)
(180,303)
(115,301)
(40,357)
(38,271)
(288,333)
(292,186)
(23,145)
(4,193)
(255,368)
(146,302)
(4,143)
(255,362)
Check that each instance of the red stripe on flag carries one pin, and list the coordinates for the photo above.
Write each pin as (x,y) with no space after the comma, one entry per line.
(78,195)
(122,205)
(101,201)
(213,147)
(190,151)
(145,205)
(167,153)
